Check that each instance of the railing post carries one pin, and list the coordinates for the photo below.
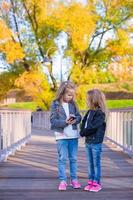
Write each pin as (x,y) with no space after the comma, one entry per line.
(120,129)
(41,119)
(1,136)
(15,130)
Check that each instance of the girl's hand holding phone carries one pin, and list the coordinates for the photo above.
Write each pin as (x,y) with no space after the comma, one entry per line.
(71,119)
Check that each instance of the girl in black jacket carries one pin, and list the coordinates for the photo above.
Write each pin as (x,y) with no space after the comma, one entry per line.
(93,129)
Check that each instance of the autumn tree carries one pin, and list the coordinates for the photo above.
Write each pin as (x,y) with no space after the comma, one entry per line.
(10,51)
(9,46)
(36,37)
(36,85)
(20,46)
(97,32)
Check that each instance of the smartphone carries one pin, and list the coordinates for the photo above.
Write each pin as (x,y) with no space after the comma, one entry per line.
(72,117)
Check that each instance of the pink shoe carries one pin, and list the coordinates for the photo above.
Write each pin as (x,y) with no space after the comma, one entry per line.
(96,187)
(75,184)
(62,185)
(88,187)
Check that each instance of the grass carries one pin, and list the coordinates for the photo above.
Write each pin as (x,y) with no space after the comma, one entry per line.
(124,103)
(23,106)
(110,103)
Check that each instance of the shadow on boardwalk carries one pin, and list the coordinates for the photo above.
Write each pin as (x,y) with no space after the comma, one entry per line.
(31,174)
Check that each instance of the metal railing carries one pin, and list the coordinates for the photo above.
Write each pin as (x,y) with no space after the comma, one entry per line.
(119,126)
(41,120)
(15,131)
(120,129)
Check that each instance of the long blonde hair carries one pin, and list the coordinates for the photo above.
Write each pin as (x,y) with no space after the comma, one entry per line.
(63,88)
(97,100)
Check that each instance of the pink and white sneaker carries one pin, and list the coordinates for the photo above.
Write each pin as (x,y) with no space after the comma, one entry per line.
(62,186)
(75,184)
(89,186)
(96,187)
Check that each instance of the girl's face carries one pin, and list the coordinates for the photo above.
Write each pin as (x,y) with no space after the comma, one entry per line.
(69,95)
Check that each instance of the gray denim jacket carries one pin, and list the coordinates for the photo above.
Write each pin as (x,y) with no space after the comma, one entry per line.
(58,116)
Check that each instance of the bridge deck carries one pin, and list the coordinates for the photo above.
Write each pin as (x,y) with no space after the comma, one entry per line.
(31,174)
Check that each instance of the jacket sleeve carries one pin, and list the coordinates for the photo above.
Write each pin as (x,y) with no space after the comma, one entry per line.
(78,116)
(93,125)
(83,124)
(54,118)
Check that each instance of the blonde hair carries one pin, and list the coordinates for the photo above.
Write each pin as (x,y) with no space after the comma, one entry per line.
(97,100)
(63,88)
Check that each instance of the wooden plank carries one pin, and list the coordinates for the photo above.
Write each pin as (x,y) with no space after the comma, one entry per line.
(32,173)
(52,195)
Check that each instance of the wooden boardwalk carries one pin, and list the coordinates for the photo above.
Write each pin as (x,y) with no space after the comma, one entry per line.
(31,174)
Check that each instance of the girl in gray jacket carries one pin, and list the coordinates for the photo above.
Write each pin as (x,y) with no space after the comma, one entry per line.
(64,119)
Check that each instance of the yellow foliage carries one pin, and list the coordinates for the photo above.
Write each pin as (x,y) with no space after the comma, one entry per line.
(117,3)
(84,76)
(81,96)
(12,50)
(77,21)
(36,85)
(120,46)
(39,9)
(5,32)
(123,69)
(116,12)
(8,46)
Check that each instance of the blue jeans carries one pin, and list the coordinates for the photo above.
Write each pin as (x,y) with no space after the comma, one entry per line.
(94,161)
(67,148)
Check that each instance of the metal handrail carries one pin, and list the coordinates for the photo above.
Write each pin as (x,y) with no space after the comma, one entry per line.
(15,131)
(119,126)
(120,129)
(41,119)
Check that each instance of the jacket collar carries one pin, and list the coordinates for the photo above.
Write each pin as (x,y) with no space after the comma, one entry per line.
(57,103)
(91,113)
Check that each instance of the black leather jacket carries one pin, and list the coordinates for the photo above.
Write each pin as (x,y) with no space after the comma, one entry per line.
(96,126)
